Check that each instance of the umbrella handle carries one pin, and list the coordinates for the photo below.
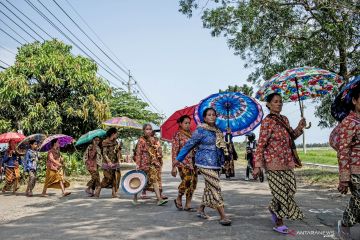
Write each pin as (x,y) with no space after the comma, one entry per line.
(308,126)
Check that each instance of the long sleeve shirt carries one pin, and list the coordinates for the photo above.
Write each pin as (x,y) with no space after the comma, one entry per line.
(31,159)
(179,140)
(207,154)
(11,161)
(349,147)
(274,145)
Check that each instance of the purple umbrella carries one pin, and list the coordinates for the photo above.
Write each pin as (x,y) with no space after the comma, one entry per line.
(62,139)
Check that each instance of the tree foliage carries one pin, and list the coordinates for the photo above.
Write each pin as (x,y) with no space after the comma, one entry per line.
(245,89)
(275,35)
(50,90)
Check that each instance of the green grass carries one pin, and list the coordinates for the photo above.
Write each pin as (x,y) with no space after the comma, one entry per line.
(314,176)
(319,155)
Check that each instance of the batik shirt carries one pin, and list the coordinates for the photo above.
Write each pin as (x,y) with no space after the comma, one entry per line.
(31,159)
(142,154)
(179,140)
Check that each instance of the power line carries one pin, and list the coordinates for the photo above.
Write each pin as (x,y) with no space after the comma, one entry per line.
(123,70)
(97,36)
(5,63)
(18,25)
(29,19)
(8,50)
(60,31)
(13,31)
(10,36)
(22,20)
(119,77)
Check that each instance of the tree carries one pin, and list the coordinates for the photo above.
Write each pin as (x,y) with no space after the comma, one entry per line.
(246,89)
(50,90)
(275,35)
(126,104)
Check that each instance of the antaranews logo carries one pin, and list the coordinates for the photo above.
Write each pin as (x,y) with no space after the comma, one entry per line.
(325,234)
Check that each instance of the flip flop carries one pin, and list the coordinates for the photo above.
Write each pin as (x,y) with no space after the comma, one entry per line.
(202,215)
(281,229)
(162,202)
(179,207)
(190,209)
(66,194)
(164,197)
(225,222)
(144,197)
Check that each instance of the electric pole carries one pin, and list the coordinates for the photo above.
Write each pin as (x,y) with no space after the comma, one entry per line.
(130,83)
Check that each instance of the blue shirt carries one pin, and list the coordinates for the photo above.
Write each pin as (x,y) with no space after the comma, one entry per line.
(10,161)
(31,158)
(207,154)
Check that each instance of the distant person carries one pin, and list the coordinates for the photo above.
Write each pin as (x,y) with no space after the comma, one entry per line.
(31,162)
(11,161)
(111,163)
(93,161)
(148,158)
(54,170)
(275,153)
(209,158)
(187,170)
(251,145)
(229,166)
(349,165)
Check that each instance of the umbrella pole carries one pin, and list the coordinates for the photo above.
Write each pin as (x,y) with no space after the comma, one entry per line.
(301,104)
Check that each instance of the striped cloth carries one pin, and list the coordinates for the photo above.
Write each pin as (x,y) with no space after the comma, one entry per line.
(282,184)
(212,196)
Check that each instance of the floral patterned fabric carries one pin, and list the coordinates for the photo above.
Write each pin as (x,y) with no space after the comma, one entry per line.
(312,83)
(142,156)
(180,139)
(349,147)
(274,145)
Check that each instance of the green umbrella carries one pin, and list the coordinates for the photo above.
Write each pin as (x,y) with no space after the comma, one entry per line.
(88,137)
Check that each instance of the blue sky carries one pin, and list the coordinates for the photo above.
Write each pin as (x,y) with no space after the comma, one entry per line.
(174,59)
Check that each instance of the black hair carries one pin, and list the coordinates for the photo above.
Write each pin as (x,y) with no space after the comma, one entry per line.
(182,118)
(146,125)
(52,143)
(32,141)
(111,131)
(207,110)
(270,97)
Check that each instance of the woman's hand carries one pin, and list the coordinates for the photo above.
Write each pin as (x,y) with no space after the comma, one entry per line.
(256,172)
(343,187)
(302,123)
(174,172)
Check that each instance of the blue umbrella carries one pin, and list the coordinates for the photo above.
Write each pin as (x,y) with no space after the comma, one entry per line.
(235,110)
(342,104)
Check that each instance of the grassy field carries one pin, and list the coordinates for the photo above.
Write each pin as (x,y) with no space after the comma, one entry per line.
(319,155)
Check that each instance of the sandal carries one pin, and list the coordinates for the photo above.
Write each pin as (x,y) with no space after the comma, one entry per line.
(202,215)
(164,197)
(190,209)
(225,222)
(144,197)
(162,202)
(178,206)
(281,229)
(66,194)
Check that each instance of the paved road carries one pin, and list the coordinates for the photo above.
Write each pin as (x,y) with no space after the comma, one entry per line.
(78,217)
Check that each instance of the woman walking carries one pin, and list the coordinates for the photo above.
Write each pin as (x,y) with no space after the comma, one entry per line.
(209,158)
(277,155)
(229,166)
(54,170)
(31,161)
(111,163)
(148,158)
(93,160)
(11,160)
(187,170)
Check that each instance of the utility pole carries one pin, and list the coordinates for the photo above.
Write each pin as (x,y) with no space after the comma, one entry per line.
(129,84)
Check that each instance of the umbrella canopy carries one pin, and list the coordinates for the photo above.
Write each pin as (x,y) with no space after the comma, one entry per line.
(123,122)
(300,84)
(24,144)
(62,139)
(88,137)
(235,110)
(171,126)
(341,106)
(6,137)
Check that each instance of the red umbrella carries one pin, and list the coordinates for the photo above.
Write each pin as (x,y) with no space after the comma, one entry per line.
(6,137)
(170,126)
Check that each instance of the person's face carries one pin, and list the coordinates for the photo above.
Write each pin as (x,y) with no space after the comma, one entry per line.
(114,136)
(12,145)
(356,104)
(275,104)
(34,146)
(210,117)
(148,131)
(96,141)
(56,145)
(185,124)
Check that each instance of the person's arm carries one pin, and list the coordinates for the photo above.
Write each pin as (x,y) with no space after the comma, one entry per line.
(105,155)
(86,154)
(297,132)
(138,150)
(175,149)
(193,141)
(6,157)
(347,132)
(265,134)
(52,159)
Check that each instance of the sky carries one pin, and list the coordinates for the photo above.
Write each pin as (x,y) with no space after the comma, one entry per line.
(174,59)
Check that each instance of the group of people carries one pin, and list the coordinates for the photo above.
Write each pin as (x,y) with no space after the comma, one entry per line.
(208,152)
